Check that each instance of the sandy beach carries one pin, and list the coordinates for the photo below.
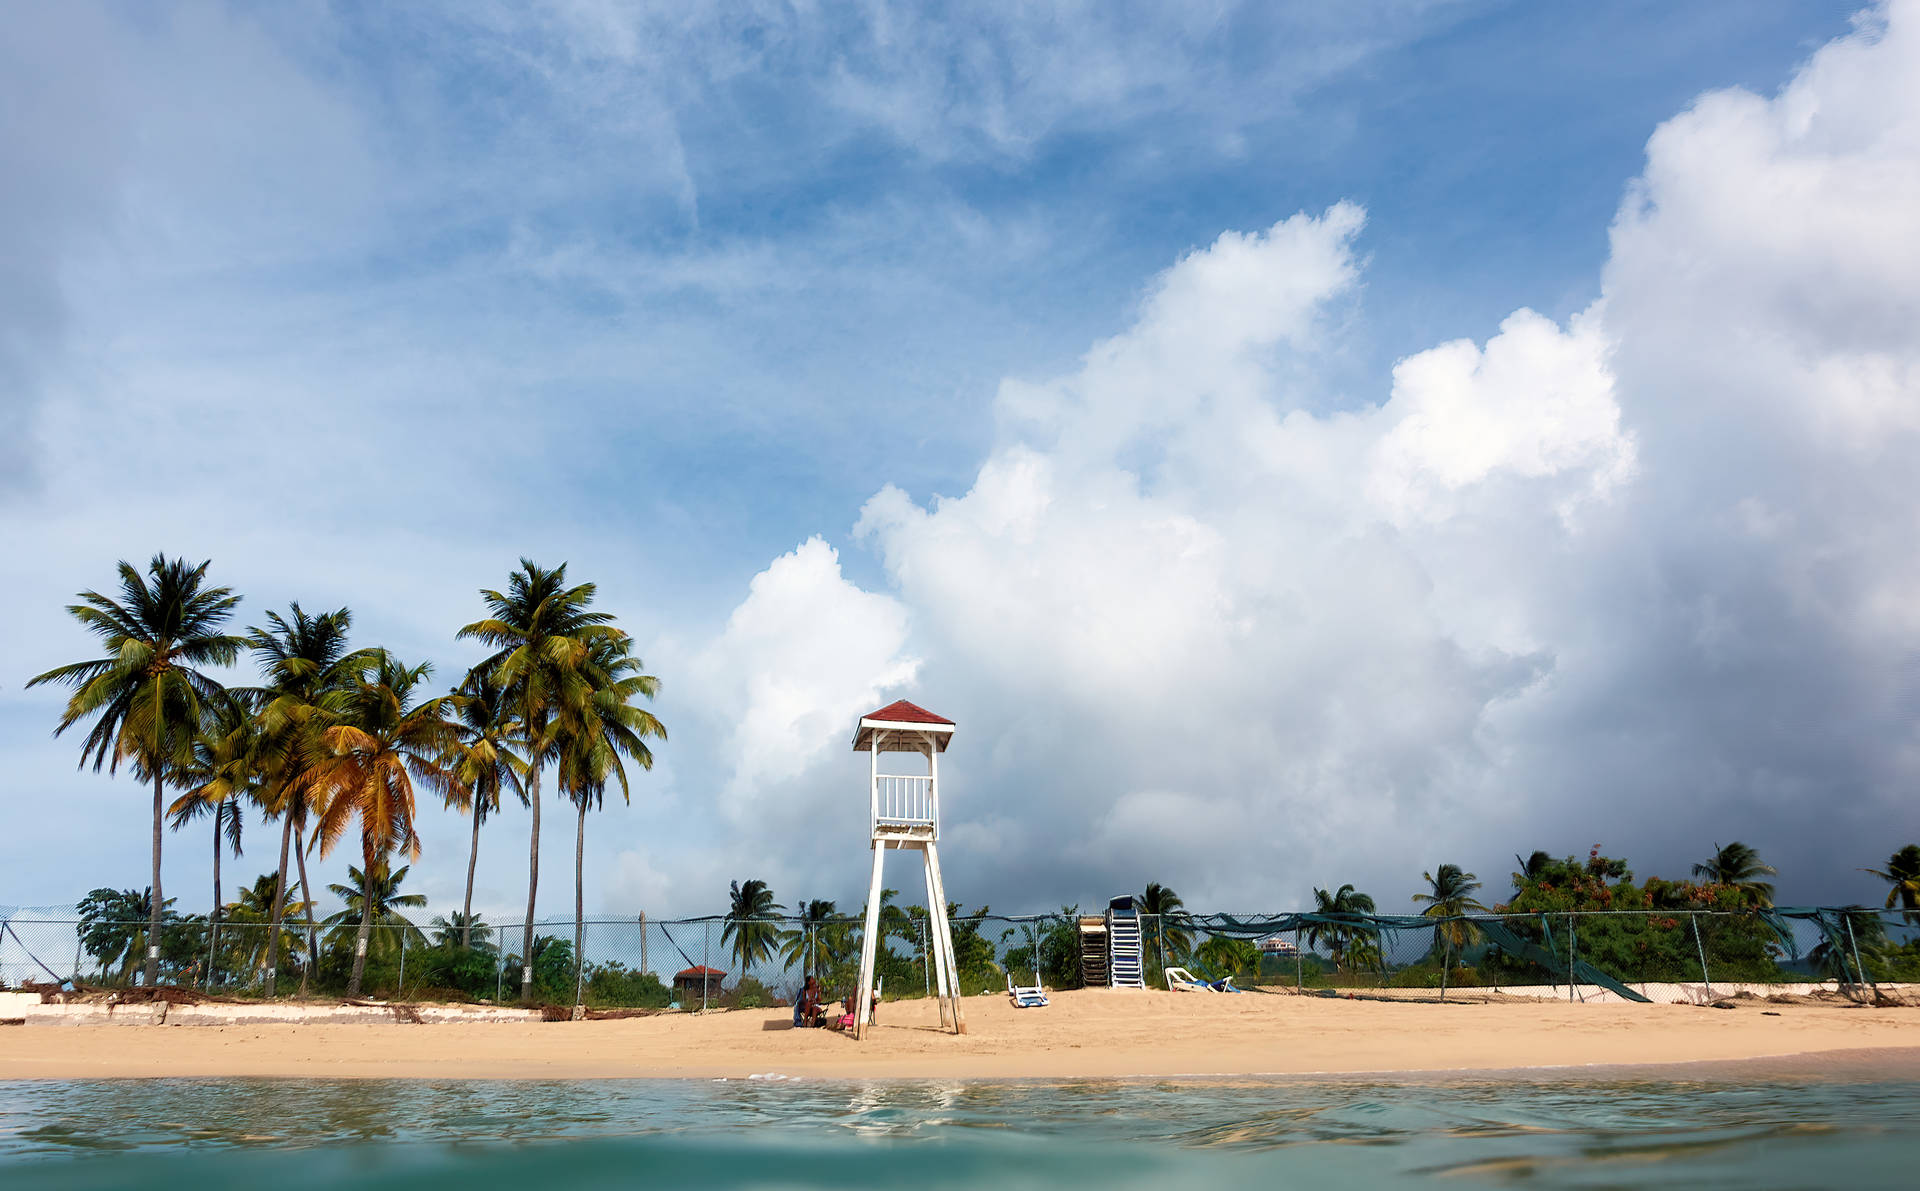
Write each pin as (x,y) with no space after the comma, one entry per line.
(1090,1033)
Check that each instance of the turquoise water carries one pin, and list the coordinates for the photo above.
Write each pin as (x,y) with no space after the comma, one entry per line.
(1166,1134)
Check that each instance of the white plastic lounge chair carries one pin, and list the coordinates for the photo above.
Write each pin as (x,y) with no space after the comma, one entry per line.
(1034,997)
(1181,980)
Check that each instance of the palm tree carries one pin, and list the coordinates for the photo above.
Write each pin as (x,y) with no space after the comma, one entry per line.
(148,697)
(223,771)
(750,923)
(1228,956)
(1903,873)
(1739,867)
(1450,898)
(1856,931)
(370,902)
(1170,912)
(307,670)
(1531,869)
(463,930)
(482,762)
(382,745)
(817,941)
(541,632)
(593,737)
(258,907)
(1341,937)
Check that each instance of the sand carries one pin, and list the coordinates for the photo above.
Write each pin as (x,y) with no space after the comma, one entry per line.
(1090,1033)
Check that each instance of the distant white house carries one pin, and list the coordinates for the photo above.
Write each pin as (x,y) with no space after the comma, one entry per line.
(1278,946)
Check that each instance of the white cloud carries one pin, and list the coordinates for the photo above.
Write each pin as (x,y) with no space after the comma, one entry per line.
(1627,579)
(802,657)
(1537,402)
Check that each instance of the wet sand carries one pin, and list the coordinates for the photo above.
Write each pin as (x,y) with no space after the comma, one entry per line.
(1088,1033)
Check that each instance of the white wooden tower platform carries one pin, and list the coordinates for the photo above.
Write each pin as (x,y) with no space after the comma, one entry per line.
(906,817)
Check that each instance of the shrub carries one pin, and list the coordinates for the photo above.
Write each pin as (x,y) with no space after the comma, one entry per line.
(748,994)
(616,986)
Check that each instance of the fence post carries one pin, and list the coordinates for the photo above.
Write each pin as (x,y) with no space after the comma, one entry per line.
(499,973)
(643,940)
(1859,967)
(76,959)
(706,965)
(403,962)
(926,968)
(580,971)
(1573,957)
(1706,980)
(1446,957)
(1299,963)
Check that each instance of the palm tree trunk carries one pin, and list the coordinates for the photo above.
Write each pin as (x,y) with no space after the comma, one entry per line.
(579,897)
(473,860)
(365,933)
(306,895)
(533,887)
(153,922)
(279,904)
(213,919)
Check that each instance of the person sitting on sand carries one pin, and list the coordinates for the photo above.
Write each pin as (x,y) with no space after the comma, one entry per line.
(807,1012)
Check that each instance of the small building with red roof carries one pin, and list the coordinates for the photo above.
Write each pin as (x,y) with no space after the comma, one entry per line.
(697,983)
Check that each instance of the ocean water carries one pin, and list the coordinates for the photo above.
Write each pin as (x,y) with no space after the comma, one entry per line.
(1173,1135)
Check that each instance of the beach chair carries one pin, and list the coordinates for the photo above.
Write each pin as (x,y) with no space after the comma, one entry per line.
(1181,980)
(1024,997)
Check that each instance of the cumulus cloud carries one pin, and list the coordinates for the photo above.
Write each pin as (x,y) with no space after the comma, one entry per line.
(1635,578)
(802,657)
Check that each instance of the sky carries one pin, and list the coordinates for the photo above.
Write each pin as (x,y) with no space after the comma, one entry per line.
(1298,444)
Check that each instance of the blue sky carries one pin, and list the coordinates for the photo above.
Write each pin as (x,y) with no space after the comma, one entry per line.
(364,304)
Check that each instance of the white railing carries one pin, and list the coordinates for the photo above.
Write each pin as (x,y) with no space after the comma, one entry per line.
(904,801)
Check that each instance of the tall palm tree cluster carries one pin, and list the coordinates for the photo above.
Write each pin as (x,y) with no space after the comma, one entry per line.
(337,743)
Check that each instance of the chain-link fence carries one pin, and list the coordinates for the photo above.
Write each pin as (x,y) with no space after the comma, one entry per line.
(719,962)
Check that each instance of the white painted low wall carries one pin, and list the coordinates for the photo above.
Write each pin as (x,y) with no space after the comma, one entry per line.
(29,1008)
(14,1004)
(1681,993)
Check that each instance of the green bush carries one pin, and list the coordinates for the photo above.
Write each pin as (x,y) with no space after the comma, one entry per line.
(748,994)
(615,986)
(450,968)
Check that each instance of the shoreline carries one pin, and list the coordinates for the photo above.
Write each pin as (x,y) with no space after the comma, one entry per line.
(1084,1034)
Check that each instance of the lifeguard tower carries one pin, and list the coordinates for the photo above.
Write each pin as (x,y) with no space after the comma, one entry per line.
(906,817)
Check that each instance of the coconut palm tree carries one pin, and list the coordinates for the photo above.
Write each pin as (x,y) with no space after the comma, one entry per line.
(306,669)
(1903,873)
(223,772)
(817,941)
(148,697)
(1531,869)
(542,632)
(1226,956)
(482,762)
(462,930)
(1170,912)
(1739,867)
(1450,897)
(1341,937)
(383,744)
(371,901)
(594,739)
(750,926)
(257,914)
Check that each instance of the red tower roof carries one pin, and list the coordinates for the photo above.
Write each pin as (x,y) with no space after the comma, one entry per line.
(903,712)
(904,727)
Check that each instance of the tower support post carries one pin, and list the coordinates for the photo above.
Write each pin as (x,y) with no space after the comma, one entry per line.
(944,928)
(869,940)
